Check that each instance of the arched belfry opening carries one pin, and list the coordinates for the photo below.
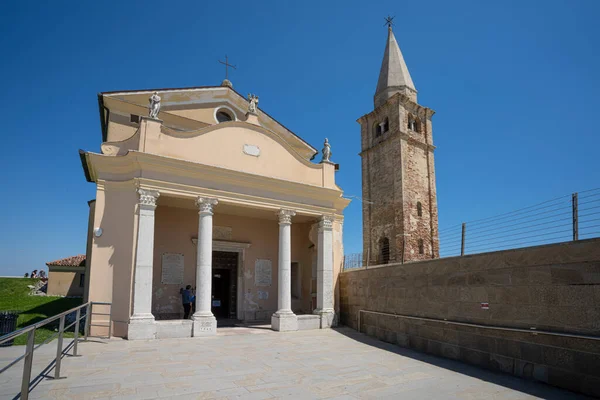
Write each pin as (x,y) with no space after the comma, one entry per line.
(384,251)
(386,125)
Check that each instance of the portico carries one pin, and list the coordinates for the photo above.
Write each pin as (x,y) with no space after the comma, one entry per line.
(144,325)
(256,229)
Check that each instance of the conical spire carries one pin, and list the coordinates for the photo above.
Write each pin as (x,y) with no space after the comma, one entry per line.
(393,76)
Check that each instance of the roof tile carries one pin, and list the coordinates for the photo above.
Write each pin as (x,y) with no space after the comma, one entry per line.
(74,261)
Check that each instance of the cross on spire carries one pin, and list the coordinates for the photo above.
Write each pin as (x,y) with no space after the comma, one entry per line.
(389,21)
(227,65)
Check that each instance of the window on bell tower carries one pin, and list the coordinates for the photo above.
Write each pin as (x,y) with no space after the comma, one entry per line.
(421,250)
(419,209)
(384,250)
(377,129)
(386,125)
(413,124)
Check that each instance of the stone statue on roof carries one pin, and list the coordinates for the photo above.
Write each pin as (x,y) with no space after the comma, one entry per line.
(326,151)
(253,102)
(154,105)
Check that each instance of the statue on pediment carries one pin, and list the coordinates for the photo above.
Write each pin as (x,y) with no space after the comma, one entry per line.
(154,105)
(326,151)
(253,103)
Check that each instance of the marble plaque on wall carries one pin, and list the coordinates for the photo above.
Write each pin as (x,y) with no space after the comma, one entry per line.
(172,269)
(252,150)
(222,232)
(263,272)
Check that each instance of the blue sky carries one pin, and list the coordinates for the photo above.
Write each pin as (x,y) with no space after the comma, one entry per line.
(514,84)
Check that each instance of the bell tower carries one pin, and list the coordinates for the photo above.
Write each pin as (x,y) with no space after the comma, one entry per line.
(400,216)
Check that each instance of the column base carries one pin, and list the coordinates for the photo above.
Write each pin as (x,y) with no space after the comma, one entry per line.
(141,327)
(204,325)
(284,322)
(328,318)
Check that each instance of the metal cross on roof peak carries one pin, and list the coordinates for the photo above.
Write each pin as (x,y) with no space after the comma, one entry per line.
(227,65)
(389,21)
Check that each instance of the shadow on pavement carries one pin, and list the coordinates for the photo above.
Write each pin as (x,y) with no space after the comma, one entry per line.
(533,388)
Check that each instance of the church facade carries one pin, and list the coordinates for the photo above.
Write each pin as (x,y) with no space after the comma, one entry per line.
(212,192)
(400,216)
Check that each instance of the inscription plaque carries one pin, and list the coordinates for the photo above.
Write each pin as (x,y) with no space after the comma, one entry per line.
(252,150)
(263,272)
(172,269)
(222,232)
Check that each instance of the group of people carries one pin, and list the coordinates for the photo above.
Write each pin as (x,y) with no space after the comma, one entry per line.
(35,274)
(188,299)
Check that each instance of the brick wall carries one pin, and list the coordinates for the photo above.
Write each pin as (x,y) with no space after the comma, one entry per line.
(553,288)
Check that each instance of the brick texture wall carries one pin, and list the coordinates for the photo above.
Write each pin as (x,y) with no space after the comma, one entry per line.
(553,288)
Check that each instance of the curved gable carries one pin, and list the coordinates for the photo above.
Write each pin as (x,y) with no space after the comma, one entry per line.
(238,146)
(185,109)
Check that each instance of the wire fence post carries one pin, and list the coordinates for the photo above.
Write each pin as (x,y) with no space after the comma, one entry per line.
(575,217)
(462,239)
(27,365)
(59,347)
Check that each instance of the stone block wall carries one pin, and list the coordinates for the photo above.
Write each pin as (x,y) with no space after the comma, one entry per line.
(552,288)
(398,173)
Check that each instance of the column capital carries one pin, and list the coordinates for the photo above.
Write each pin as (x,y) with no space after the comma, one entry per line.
(326,222)
(285,216)
(206,204)
(148,198)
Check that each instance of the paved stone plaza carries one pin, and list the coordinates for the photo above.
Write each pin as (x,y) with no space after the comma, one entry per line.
(257,363)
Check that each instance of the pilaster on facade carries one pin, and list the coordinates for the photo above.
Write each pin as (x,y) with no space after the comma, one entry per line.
(325,272)
(148,198)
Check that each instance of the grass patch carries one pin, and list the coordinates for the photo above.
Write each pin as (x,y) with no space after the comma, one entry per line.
(14,296)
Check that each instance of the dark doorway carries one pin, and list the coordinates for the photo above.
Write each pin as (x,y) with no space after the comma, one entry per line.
(224,284)
(220,292)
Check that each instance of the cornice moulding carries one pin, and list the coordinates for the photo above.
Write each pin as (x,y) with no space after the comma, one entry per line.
(404,100)
(401,135)
(245,200)
(135,161)
(140,168)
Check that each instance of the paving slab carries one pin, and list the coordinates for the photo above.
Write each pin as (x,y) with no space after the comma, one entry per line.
(255,363)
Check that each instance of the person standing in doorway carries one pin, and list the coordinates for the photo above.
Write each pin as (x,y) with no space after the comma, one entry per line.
(186,299)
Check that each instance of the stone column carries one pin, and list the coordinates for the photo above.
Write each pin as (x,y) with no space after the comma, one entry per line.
(205,322)
(325,272)
(141,323)
(284,319)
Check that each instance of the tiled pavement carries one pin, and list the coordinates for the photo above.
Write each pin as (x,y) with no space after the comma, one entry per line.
(252,363)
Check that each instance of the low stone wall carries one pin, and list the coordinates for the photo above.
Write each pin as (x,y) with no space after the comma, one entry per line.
(552,288)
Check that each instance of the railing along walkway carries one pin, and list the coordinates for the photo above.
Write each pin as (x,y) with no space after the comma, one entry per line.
(30,347)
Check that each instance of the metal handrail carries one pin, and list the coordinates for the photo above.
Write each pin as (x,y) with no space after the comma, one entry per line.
(30,348)
(533,331)
(37,325)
